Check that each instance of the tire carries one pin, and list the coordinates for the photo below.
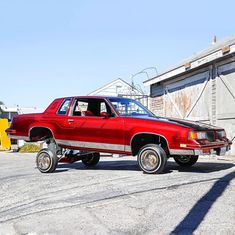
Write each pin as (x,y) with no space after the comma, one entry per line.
(46,161)
(152,159)
(185,161)
(91,159)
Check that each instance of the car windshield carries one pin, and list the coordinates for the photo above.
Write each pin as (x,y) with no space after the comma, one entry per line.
(129,107)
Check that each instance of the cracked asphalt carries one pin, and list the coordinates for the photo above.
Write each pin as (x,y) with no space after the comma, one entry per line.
(115,197)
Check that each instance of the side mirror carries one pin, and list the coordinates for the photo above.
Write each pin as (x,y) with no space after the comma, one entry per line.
(105,115)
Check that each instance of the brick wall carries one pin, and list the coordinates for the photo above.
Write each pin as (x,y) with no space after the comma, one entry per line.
(156,105)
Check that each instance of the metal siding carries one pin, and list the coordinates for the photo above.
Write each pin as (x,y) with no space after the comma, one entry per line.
(157,90)
(225,97)
(207,95)
(187,98)
(226,91)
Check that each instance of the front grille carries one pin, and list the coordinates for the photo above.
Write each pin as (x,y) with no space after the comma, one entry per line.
(210,136)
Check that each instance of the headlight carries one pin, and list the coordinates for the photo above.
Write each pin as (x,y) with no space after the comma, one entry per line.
(221,134)
(197,135)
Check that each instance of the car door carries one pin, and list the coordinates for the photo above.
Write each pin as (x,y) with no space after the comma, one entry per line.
(86,128)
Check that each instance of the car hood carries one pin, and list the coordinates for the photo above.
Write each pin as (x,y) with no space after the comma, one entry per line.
(199,126)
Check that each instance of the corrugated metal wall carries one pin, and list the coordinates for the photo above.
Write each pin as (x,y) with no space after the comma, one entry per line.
(206,95)
(225,99)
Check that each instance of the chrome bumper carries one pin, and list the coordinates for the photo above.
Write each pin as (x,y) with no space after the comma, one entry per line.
(214,151)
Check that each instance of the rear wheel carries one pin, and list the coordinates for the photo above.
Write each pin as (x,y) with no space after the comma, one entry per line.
(91,159)
(46,161)
(152,159)
(185,160)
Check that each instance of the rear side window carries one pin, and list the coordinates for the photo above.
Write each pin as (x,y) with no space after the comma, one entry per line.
(64,107)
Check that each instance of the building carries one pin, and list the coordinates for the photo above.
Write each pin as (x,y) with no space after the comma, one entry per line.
(10,112)
(121,88)
(200,88)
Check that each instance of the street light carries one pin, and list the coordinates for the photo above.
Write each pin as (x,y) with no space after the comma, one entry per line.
(142,72)
(153,68)
(134,75)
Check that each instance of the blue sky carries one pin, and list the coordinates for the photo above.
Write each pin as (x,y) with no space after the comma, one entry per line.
(53,48)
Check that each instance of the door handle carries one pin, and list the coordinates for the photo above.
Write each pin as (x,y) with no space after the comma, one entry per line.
(70,120)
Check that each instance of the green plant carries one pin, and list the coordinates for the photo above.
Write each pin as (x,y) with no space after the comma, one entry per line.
(29,148)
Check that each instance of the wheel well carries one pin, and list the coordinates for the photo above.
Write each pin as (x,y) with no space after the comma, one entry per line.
(40,133)
(141,140)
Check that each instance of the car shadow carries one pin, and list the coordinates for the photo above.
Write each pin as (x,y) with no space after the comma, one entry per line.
(200,167)
(129,165)
(132,165)
(202,207)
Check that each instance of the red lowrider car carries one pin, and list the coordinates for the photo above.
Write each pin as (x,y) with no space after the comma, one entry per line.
(115,125)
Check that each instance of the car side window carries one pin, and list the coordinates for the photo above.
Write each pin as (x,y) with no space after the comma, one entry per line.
(80,108)
(64,107)
(90,107)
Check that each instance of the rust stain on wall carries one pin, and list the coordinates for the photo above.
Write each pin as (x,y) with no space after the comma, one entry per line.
(183,101)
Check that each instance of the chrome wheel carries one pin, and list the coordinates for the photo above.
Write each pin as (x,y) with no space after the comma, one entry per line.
(149,160)
(44,161)
(152,159)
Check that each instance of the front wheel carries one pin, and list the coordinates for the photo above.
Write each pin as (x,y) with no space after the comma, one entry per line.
(91,159)
(185,160)
(46,161)
(152,159)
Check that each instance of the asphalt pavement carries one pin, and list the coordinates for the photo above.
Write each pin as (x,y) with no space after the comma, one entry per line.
(115,197)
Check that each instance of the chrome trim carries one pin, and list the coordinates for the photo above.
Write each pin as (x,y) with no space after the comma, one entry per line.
(181,152)
(18,137)
(194,152)
(198,152)
(222,151)
(128,148)
(94,145)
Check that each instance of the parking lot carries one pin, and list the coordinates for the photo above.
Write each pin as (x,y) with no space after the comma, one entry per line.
(116,198)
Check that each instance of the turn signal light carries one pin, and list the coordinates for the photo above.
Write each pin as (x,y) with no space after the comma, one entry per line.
(192,135)
(197,135)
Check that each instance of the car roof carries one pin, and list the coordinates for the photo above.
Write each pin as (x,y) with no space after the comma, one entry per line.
(94,97)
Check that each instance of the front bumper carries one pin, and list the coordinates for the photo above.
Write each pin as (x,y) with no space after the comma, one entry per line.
(220,151)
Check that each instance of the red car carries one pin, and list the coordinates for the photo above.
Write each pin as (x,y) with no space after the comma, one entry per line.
(115,125)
